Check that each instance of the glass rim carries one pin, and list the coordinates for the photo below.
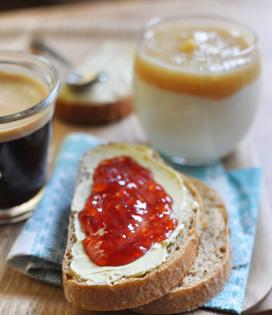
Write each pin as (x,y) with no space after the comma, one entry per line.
(149,24)
(6,58)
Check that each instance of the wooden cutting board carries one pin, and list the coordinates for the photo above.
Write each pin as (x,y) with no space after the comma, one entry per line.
(20,294)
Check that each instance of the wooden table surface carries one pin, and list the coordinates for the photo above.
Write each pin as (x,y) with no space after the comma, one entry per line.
(22,295)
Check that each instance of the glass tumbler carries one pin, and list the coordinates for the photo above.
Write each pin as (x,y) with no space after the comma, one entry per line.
(197,83)
(24,135)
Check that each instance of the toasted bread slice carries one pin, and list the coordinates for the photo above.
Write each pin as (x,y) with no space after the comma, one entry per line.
(130,287)
(212,265)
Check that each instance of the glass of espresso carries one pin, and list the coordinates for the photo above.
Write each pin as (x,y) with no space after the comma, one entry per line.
(28,90)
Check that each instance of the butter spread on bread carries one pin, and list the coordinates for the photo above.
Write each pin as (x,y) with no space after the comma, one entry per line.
(81,265)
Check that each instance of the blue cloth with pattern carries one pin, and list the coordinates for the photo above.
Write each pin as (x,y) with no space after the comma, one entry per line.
(41,257)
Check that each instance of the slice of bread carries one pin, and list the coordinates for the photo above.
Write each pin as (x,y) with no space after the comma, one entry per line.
(131,290)
(211,268)
(91,113)
(102,102)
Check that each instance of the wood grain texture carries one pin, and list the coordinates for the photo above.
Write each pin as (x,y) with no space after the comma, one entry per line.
(77,29)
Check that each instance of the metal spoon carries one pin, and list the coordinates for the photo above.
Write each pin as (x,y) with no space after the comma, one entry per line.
(75,78)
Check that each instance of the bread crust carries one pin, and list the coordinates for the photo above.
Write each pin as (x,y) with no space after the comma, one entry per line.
(134,291)
(93,113)
(189,298)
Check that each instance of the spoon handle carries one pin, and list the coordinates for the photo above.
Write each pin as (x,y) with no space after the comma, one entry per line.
(39,45)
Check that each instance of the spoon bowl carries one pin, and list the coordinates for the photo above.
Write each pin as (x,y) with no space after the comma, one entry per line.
(75,78)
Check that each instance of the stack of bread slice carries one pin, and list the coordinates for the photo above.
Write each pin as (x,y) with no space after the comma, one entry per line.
(196,261)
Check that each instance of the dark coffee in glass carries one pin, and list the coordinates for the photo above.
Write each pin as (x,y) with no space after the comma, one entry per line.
(23,167)
(28,89)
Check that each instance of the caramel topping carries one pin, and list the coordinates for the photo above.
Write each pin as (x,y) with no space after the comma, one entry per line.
(209,62)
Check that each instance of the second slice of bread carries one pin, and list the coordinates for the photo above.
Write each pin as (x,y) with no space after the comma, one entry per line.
(133,291)
(211,267)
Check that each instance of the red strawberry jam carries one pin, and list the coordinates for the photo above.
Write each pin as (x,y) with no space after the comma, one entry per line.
(125,214)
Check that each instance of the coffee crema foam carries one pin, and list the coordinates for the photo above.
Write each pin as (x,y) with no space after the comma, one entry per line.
(19,92)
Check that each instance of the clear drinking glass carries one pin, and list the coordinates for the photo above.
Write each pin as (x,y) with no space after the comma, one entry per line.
(25,138)
(196,103)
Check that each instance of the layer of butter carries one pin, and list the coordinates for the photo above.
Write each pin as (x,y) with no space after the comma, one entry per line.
(116,61)
(81,265)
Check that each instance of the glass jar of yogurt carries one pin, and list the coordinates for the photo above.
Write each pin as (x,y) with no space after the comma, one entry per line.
(196,86)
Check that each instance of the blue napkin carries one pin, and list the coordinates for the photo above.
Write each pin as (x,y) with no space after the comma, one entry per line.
(39,249)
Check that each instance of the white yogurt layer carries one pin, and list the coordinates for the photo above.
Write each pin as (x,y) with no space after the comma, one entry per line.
(195,127)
